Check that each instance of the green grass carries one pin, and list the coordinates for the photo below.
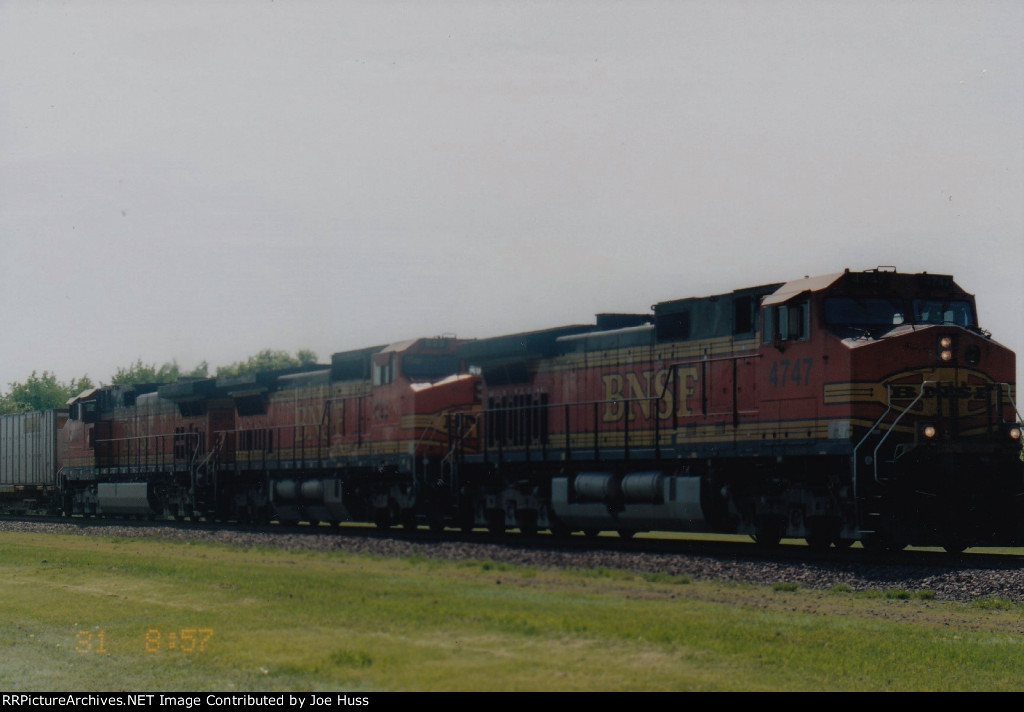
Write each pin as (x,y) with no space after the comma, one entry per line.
(94,614)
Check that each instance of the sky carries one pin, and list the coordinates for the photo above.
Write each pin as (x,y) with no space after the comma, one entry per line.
(192,181)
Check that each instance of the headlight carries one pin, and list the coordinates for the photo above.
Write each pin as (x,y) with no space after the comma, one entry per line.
(1014,432)
(945,351)
(928,432)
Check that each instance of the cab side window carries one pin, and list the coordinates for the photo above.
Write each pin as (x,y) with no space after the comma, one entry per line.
(787,322)
(384,372)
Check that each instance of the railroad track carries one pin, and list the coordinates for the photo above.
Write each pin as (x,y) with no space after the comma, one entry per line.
(963,577)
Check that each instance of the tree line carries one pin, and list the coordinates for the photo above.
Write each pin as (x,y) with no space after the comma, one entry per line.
(44,391)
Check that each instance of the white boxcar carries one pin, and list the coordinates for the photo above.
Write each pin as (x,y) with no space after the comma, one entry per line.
(29,461)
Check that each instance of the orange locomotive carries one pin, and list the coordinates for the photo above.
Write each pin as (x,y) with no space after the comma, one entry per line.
(856,406)
(349,441)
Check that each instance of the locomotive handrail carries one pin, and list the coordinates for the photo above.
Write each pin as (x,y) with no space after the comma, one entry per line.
(670,385)
(209,454)
(454,443)
(299,450)
(710,359)
(855,460)
(652,400)
(874,458)
(872,429)
(501,439)
(1009,397)
(431,427)
(702,361)
(159,454)
(874,426)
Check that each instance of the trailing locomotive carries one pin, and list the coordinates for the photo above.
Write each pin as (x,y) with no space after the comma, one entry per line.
(862,406)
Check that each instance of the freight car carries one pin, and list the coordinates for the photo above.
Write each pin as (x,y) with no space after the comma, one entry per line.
(29,461)
(858,406)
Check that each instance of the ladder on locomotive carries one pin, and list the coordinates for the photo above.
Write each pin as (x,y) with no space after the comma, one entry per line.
(874,513)
(456,431)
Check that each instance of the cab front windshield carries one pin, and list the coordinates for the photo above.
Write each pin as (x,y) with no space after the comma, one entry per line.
(890,311)
(937,311)
(863,311)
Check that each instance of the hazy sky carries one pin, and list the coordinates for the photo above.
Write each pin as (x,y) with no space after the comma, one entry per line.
(199,181)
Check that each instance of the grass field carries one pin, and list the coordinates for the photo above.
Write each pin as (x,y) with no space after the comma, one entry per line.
(93,614)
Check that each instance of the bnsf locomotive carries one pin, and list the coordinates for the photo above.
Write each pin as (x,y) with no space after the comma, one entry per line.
(858,406)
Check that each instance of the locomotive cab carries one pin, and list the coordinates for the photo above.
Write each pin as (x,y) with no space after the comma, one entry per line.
(920,399)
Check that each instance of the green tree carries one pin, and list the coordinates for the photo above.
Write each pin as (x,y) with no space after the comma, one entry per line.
(269,360)
(41,392)
(170,372)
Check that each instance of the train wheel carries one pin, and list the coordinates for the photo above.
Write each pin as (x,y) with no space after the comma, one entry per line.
(496,522)
(435,519)
(527,521)
(768,533)
(819,543)
(768,540)
(822,533)
(409,520)
(592,533)
(436,516)
(560,531)
(882,542)
(875,542)
(627,533)
(955,546)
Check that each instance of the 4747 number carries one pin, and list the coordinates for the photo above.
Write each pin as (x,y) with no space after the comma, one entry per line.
(785,372)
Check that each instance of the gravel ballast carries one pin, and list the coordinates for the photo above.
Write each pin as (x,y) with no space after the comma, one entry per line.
(952,583)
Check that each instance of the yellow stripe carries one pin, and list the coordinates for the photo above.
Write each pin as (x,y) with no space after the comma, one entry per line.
(679,351)
(713,433)
(837,393)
